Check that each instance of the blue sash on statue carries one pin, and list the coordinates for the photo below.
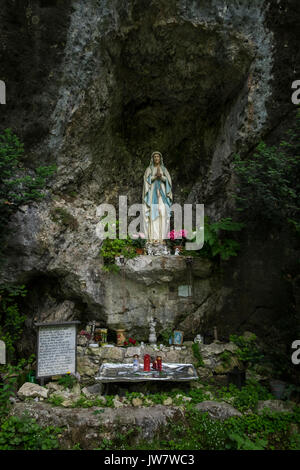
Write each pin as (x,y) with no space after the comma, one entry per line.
(166,200)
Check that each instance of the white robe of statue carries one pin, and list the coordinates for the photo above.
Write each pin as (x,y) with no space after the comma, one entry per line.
(157,200)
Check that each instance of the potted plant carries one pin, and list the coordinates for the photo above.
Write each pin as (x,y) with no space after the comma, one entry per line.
(138,242)
(176,239)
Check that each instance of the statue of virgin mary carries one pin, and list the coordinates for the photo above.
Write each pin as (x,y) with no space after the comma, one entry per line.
(157,200)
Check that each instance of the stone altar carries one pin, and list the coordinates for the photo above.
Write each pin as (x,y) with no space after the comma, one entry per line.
(171,372)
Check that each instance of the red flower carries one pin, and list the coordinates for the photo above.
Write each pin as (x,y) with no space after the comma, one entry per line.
(132,341)
(125,343)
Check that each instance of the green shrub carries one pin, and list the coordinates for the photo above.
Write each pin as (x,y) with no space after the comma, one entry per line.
(198,431)
(11,375)
(11,320)
(116,247)
(17,185)
(244,443)
(25,434)
(216,242)
(197,355)
(67,381)
(55,400)
(248,351)
(269,186)
(245,398)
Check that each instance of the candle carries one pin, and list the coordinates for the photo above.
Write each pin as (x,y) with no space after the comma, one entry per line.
(159,363)
(147,362)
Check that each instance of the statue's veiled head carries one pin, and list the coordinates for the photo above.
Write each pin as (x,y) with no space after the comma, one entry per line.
(156,159)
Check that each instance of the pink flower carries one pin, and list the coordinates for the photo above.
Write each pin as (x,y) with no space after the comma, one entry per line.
(171,235)
(175,235)
(135,236)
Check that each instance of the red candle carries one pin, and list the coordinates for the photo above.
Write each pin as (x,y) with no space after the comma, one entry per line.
(147,362)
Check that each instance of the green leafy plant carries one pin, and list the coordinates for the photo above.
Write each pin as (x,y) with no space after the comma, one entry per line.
(197,355)
(244,443)
(11,319)
(55,400)
(25,434)
(245,398)
(11,375)
(248,351)
(112,248)
(216,242)
(76,446)
(7,390)
(84,402)
(248,432)
(270,180)
(226,358)
(138,240)
(67,380)
(165,335)
(17,184)
(106,444)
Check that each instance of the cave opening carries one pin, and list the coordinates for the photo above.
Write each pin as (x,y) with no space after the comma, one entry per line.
(175,83)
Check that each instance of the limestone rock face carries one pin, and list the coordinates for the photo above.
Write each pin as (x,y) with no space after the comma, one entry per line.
(30,390)
(105,84)
(213,359)
(218,410)
(86,367)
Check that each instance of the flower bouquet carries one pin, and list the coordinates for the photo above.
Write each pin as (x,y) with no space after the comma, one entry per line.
(176,239)
(130,342)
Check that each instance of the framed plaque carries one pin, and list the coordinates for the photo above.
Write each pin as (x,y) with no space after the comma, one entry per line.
(56,348)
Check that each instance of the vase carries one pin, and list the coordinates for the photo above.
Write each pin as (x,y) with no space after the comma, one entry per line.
(120,336)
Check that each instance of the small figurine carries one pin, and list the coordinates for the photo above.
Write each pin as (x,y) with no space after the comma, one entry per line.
(136,363)
(198,339)
(177,252)
(152,335)
(166,251)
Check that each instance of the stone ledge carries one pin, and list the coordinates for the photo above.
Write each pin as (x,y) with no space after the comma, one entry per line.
(149,269)
(88,429)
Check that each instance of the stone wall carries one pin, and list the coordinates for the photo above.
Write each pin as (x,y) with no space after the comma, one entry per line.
(90,359)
